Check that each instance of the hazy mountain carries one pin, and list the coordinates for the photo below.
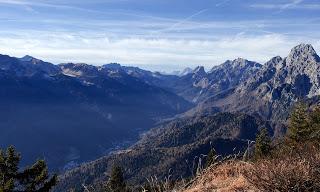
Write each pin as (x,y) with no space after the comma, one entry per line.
(27,66)
(185,71)
(71,113)
(180,73)
(194,85)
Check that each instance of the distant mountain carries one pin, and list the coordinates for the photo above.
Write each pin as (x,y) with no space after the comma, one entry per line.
(199,85)
(174,148)
(71,113)
(186,71)
(183,72)
(27,66)
(194,85)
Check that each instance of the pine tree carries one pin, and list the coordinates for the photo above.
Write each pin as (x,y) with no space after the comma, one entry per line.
(299,129)
(9,162)
(315,125)
(211,157)
(116,182)
(263,144)
(35,178)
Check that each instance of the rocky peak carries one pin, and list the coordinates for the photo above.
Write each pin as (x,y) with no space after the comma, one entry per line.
(273,63)
(199,71)
(276,59)
(112,66)
(31,59)
(239,62)
(303,53)
(27,58)
(78,69)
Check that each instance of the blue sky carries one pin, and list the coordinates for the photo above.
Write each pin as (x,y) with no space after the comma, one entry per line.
(160,35)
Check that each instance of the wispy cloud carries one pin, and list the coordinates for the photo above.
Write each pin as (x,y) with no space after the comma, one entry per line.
(48,4)
(33,3)
(293,4)
(222,3)
(176,25)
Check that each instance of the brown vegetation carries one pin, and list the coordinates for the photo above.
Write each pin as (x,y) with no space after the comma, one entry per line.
(223,178)
(297,170)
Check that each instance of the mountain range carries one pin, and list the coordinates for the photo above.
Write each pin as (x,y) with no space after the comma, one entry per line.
(233,101)
(73,113)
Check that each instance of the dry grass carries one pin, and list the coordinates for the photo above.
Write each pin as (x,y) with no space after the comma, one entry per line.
(294,171)
(222,178)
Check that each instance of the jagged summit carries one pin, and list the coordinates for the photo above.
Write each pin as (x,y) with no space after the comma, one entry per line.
(239,63)
(303,48)
(199,70)
(112,66)
(240,60)
(28,58)
(275,59)
(303,53)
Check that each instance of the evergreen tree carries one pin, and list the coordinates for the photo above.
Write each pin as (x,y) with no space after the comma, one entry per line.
(315,125)
(299,129)
(263,144)
(31,179)
(116,182)
(9,162)
(211,157)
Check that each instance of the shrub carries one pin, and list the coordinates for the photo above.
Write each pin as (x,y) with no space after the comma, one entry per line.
(296,170)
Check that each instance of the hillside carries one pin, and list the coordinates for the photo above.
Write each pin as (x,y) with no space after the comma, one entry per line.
(173,148)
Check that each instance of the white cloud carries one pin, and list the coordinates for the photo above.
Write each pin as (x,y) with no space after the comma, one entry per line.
(150,53)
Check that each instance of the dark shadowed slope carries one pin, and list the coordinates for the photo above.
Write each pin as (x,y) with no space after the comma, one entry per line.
(47,112)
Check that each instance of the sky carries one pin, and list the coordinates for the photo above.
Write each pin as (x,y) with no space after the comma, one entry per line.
(159,35)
